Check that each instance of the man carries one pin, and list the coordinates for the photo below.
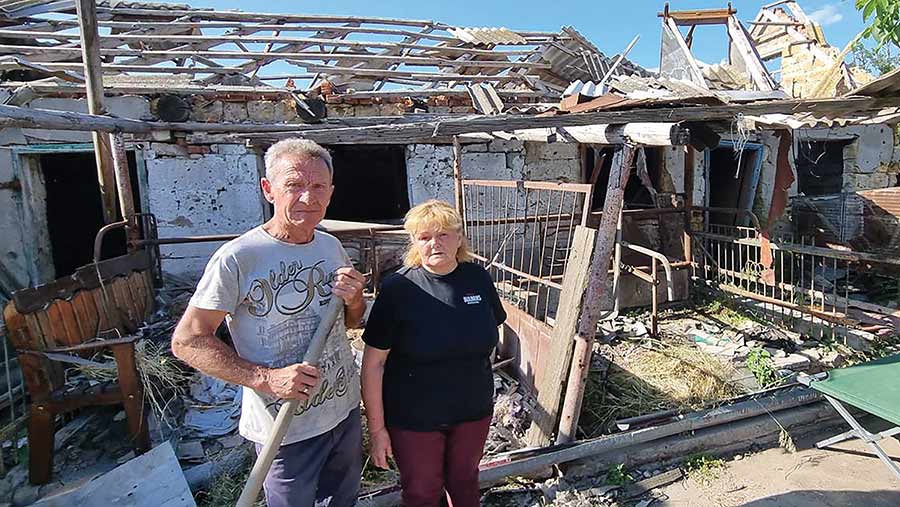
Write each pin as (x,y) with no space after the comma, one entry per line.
(270,285)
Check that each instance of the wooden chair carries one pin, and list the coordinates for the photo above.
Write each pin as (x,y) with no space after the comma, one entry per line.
(65,317)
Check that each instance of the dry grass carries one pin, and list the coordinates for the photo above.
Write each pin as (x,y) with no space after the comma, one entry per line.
(161,375)
(649,380)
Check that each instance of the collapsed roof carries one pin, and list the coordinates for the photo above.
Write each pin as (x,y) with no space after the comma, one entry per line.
(176,47)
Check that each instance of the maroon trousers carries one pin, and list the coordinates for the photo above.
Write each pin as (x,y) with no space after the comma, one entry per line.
(432,462)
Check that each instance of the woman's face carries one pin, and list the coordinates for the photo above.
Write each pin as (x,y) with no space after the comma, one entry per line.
(438,248)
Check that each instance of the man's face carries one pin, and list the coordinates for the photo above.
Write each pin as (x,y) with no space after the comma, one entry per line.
(300,192)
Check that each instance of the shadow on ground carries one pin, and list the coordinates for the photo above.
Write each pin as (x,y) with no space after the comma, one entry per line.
(810,498)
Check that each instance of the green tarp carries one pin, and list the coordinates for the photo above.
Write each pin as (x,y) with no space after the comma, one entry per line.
(873,387)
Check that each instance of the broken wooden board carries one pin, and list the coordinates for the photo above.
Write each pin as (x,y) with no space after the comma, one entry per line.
(153,479)
(552,375)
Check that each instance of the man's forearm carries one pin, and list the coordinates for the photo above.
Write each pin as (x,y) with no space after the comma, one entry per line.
(213,357)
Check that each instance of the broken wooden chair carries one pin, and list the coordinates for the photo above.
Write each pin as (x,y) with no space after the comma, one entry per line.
(872,387)
(51,323)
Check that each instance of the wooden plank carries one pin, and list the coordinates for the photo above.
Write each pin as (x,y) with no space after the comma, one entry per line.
(106,321)
(149,292)
(49,330)
(153,479)
(93,78)
(123,301)
(552,373)
(85,313)
(752,61)
(67,315)
(35,332)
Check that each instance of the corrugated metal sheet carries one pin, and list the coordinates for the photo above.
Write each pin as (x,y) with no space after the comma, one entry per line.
(637,87)
(868,220)
(487,35)
(721,76)
(809,120)
(885,86)
(568,65)
(589,89)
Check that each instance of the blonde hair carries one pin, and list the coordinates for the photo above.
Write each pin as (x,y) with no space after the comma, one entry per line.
(434,215)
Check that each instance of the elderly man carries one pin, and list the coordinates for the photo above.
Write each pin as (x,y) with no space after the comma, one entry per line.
(270,285)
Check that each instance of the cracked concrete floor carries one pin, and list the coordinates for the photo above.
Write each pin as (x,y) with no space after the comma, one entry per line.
(847,474)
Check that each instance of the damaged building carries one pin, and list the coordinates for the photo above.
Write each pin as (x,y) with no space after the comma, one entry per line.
(771,177)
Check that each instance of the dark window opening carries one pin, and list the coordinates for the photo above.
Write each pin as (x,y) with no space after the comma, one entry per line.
(729,187)
(636,194)
(820,167)
(369,183)
(75,211)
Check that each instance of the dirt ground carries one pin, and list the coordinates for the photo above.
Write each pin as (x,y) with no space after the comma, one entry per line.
(845,475)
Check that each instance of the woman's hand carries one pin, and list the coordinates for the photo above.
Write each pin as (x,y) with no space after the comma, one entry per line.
(380,447)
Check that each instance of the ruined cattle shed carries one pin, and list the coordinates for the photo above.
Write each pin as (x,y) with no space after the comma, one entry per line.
(588,184)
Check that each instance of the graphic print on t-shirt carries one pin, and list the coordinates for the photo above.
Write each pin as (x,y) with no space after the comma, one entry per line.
(290,290)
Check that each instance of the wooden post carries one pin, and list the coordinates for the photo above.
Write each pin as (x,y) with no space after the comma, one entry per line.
(93,80)
(593,298)
(598,280)
(555,362)
(688,200)
(457,174)
(123,186)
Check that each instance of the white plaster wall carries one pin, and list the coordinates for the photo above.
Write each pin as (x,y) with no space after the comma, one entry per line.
(11,240)
(214,193)
(870,161)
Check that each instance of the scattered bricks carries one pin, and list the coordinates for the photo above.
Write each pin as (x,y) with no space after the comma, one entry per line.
(198,150)
(261,111)
(208,112)
(439,100)
(393,109)
(438,109)
(793,362)
(167,150)
(235,112)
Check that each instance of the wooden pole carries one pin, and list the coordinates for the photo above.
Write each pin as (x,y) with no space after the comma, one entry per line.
(123,186)
(598,280)
(93,78)
(688,200)
(457,174)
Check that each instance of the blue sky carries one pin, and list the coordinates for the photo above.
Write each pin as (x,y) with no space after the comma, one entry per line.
(609,24)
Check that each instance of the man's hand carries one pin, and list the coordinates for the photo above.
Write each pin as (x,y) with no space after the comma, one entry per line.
(292,382)
(348,285)
(380,447)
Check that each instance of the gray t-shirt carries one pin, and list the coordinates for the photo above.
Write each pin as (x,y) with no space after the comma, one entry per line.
(274,292)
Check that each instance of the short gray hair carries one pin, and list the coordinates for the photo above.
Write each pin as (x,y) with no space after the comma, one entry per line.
(302,148)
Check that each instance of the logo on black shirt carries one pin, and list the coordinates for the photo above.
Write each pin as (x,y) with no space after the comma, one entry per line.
(472,299)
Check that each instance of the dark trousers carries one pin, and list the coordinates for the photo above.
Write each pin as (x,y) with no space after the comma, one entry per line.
(431,462)
(324,469)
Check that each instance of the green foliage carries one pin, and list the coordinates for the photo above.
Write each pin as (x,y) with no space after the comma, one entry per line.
(883,18)
(703,467)
(877,60)
(760,363)
(618,476)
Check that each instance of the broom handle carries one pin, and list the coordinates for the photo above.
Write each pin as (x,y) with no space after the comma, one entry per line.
(286,412)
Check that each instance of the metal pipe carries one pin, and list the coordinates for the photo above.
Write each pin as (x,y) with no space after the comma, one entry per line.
(98,239)
(667,266)
(186,239)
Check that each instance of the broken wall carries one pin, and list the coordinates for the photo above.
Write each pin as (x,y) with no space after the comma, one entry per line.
(22,260)
(201,190)
(803,71)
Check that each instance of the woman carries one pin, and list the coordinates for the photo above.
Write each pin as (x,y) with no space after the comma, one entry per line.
(426,373)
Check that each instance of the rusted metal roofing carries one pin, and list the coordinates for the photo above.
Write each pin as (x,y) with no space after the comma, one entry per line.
(488,36)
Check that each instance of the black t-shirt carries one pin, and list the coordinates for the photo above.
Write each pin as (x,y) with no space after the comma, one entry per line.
(440,330)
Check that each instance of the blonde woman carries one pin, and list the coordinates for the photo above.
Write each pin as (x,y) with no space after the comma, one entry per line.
(426,373)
